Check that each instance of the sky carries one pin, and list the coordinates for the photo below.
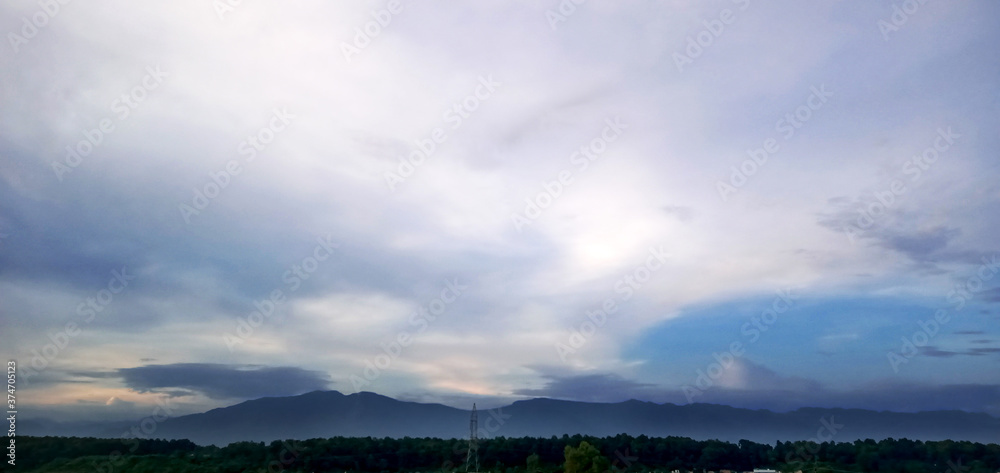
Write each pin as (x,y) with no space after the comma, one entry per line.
(766,205)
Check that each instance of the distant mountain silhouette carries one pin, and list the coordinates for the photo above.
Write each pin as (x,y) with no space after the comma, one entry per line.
(330,413)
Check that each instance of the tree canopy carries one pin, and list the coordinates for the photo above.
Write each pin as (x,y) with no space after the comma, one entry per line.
(566,454)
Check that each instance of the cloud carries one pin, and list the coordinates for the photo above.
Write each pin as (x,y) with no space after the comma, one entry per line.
(655,185)
(598,387)
(743,374)
(115,401)
(921,246)
(219,381)
(983,351)
(935,352)
(783,393)
(992,294)
(760,387)
(680,212)
(897,231)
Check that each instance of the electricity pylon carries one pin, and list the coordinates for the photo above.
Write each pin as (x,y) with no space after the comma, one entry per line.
(473,454)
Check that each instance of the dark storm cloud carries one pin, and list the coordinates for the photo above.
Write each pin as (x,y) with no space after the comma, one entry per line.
(218,381)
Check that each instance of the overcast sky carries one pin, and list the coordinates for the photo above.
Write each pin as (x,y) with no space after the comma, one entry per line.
(769,201)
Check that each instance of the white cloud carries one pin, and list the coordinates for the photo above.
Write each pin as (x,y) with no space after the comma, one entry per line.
(452,217)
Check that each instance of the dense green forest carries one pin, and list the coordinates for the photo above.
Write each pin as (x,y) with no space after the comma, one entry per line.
(566,454)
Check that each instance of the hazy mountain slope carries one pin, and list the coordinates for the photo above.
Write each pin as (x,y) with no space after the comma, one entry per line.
(330,413)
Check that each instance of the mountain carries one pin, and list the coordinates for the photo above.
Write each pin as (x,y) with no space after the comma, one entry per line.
(330,413)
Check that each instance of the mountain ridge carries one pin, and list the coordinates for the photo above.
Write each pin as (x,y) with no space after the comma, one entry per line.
(366,414)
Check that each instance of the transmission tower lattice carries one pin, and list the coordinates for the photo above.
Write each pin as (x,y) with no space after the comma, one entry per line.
(473,455)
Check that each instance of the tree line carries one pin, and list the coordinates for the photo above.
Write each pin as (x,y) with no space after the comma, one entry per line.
(566,454)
